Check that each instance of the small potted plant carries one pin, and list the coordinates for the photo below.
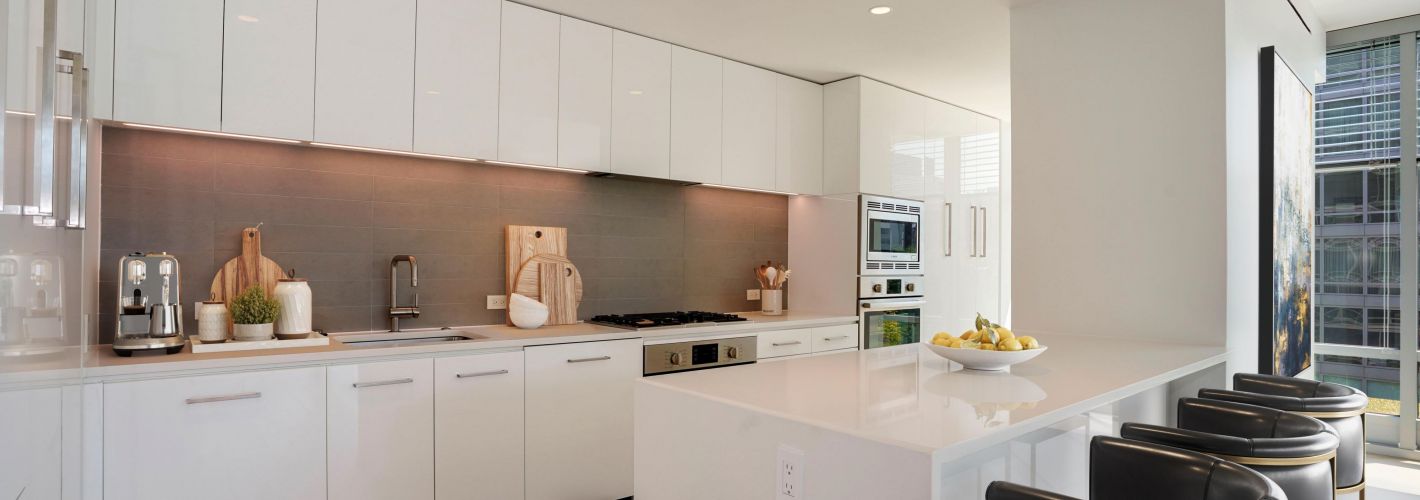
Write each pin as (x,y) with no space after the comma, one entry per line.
(253,314)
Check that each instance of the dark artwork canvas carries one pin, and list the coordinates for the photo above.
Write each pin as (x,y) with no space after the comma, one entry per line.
(1288,213)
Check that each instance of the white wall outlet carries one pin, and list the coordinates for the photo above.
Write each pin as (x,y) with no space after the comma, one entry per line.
(790,474)
(752,294)
(497,301)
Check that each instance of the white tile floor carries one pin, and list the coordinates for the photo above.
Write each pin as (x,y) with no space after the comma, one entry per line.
(1389,478)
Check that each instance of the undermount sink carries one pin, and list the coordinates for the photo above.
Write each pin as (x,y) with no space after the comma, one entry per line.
(396,339)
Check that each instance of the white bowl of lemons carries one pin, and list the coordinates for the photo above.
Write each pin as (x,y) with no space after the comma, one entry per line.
(988,347)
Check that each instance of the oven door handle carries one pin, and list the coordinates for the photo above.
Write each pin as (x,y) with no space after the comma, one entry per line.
(896,304)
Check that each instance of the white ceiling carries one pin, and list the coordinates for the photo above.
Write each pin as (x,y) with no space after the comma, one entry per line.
(1337,14)
(954,50)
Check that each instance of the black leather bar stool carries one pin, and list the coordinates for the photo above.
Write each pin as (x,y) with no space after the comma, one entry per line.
(1295,451)
(1121,469)
(1344,408)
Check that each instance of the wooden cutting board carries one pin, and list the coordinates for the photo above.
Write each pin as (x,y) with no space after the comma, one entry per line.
(249,268)
(526,241)
(554,281)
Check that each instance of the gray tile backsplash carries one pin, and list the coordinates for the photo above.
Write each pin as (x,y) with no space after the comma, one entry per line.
(338,216)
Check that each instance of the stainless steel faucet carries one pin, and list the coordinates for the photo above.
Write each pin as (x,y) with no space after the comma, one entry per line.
(397,311)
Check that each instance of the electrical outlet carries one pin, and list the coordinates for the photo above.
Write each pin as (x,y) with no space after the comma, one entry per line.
(752,294)
(790,474)
(497,301)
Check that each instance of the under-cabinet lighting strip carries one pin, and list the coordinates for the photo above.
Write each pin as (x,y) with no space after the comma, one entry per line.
(737,188)
(525,165)
(215,134)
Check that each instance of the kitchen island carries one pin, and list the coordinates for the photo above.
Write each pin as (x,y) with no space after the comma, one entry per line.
(903,423)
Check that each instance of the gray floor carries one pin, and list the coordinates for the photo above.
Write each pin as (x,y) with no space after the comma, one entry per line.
(1389,478)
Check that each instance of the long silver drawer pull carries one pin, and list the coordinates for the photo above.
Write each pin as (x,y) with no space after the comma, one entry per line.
(479,374)
(383,382)
(830,339)
(782,344)
(584,360)
(984,239)
(229,397)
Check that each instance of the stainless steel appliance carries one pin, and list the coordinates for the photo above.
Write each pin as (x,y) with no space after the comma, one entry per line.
(888,236)
(31,304)
(149,304)
(676,319)
(680,356)
(890,321)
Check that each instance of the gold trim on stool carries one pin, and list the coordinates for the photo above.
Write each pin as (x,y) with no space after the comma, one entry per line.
(1332,414)
(1277,461)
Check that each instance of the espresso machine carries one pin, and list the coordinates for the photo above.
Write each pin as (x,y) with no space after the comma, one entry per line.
(149,304)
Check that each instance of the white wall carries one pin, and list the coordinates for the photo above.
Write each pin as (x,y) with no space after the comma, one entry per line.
(1252,25)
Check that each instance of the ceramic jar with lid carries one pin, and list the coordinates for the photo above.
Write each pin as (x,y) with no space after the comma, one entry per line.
(212,320)
(294,295)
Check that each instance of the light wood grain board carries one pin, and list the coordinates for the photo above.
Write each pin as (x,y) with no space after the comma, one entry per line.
(249,268)
(528,281)
(523,242)
(557,287)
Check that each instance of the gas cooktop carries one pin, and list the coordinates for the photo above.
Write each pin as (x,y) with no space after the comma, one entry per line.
(664,319)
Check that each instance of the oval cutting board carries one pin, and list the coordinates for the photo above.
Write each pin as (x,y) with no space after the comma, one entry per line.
(553,281)
(528,283)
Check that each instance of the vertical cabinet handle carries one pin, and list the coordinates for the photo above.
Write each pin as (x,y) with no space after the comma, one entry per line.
(983,232)
(70,197)
(973,231)
(358,385)
(947,231)
(41,199)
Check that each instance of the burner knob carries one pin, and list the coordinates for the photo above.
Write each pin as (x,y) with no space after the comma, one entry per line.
(878,288)
(675,358)
(732,353)
(911,287)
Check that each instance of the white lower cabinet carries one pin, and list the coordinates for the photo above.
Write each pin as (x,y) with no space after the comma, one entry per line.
(579,418)
(785,343)
(30,465)
(478,420)
(231,436)
(836,337)
(380,419)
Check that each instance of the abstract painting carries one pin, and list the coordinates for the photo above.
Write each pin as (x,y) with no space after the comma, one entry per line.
(1287,184)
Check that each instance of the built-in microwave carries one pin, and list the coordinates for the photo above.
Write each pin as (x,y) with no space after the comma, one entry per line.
(889,236)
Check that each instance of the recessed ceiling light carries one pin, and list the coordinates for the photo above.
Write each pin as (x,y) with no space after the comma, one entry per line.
(248,19)
(880,10)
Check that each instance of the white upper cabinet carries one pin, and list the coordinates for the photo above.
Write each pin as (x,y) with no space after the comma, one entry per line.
(640,106)
(873,139)
(456,78)
(584,96)
(478,421)
(381,427)
(527,92)
(269,68)
(168,63)
(749,128)
(365,73)
(696,114)
(799,160)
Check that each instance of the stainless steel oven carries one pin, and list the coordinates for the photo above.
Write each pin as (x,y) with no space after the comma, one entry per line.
(889,236)
(890,322)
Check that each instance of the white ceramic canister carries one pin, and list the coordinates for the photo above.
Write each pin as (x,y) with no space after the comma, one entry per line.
(771,302)
(294,295)
(212,320)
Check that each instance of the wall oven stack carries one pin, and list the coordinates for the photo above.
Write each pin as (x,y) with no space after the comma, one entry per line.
(891,291)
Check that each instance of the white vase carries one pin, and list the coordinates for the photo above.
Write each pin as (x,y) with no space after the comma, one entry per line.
(252,332)
(771,302)
(526,313)
(294,295)
(212,320)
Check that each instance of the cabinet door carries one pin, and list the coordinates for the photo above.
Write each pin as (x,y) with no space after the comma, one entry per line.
(749,126)
(527,91)
(168,63)
(833,338)
(234,436)
(579,415)
(891,127)
(640,106)
(798,166)
(584,96)
(365,73)
(947,221)
(696,100)
(981,166)
(381,420)
(269,68)
(785,343)
(456,77)
(478,425)
(30,466)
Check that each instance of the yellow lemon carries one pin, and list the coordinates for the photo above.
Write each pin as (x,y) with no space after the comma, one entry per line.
(1028,342)
(944,342)
(954,342)
(1005,333)
(987,346)
(1009,345)
(966,335)
(940,336)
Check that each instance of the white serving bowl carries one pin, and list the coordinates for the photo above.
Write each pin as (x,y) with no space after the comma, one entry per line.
(977,359)
(526,313)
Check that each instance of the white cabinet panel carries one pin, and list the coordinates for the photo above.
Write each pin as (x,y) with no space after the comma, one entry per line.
(168,63)
(584,96)
(579,417)
(527,91)
(98,56)
(365,73)
(892,123)
(456,77)
(832,338)
(269,68)
(799,140)
(640,106)
(696,109)
(749,126)
(478,423)
(234,436)
(30,465)
(785,343)
(381,427)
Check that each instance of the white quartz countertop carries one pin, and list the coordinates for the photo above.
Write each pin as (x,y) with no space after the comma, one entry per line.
(909,397)
(100,362)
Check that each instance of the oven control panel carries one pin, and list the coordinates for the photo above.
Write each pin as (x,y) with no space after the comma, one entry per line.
(872,287)
(698,354)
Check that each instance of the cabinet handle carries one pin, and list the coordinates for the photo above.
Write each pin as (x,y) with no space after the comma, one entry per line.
(947,221)
(479,374)
(229,397)
(383,382)
(40,202)
(983,231)
(831,339)
(792,342)
(584,360)
(70,206)
(973,231)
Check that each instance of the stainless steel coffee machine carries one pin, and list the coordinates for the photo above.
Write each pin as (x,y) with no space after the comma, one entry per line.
(149,304)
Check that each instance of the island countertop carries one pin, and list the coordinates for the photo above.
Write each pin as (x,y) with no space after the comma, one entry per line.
(908,397)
